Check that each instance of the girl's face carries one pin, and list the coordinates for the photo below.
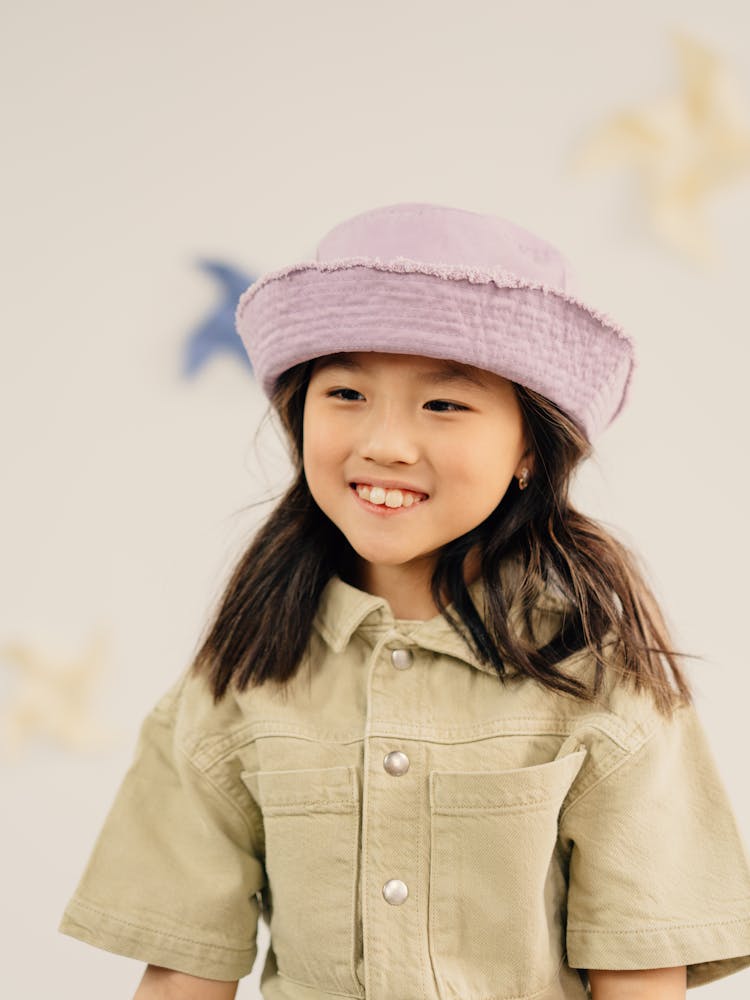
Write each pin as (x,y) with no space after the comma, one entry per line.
(405,453)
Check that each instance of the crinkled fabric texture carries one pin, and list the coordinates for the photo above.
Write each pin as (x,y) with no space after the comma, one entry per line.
(538,337)
(443,282)
(537,835)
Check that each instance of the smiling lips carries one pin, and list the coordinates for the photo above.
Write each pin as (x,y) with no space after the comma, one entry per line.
(380,496)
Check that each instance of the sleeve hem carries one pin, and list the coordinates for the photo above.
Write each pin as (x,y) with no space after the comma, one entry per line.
(710,951)
(132,940)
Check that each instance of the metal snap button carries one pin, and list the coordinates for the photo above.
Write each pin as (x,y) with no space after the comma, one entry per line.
(396,762)
(402,658)
(395,891)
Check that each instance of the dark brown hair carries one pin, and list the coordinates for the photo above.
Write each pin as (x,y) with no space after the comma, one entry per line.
(264,619)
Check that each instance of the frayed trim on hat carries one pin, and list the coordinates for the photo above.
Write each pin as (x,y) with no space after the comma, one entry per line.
(453,272)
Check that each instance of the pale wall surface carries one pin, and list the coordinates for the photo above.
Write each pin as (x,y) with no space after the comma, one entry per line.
(140,136)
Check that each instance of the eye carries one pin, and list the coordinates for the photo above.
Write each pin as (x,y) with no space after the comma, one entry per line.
(445,406)
(336,394)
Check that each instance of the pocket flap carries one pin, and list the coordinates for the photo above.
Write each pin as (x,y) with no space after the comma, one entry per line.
(318,788)
(522,786)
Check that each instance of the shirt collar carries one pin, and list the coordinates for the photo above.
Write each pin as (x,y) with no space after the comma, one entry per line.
(343,608)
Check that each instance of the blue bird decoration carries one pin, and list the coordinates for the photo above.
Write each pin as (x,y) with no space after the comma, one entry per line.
(217,332)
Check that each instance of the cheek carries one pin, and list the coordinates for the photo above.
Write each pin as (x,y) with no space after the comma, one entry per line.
(313,428)
(323,447)
(311,441)
(486,463)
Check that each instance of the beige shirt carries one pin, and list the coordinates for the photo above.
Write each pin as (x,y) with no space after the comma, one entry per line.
(411,828)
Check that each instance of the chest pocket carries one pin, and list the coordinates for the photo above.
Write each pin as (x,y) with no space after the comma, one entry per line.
(311,820)
(497,887)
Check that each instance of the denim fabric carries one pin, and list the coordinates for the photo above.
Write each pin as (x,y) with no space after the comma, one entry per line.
(536,834)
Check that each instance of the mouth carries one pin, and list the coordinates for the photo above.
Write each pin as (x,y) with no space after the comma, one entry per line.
(389,499)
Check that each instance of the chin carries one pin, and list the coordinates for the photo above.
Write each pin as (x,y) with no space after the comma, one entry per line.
(380,558)
(377,557)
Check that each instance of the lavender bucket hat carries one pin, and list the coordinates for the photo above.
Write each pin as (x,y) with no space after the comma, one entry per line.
(447,283)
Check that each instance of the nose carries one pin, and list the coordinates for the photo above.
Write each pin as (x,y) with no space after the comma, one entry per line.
(387,438)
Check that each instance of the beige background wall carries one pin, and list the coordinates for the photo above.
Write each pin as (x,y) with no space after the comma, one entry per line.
(140,136)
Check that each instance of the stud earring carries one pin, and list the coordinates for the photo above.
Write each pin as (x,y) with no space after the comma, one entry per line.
(523,479)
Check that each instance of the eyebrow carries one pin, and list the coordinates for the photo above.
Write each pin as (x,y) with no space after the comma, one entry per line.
(448,372)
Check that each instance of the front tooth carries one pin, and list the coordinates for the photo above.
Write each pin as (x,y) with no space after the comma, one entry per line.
(394,498)
(364,492)
(377,494)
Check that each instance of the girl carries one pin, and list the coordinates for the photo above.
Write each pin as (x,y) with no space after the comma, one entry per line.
(435,735)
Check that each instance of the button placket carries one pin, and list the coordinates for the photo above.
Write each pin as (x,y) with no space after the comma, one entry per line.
(396,763)
(392,873)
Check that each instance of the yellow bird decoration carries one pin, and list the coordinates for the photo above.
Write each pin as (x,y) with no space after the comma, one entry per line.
(53,700)
(683,148)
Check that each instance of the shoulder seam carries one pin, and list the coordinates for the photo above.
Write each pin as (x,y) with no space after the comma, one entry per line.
(256,833)
(628,738)
(619,762)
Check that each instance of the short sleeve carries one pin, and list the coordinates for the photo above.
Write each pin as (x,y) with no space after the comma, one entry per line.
(173,876)
(659,875)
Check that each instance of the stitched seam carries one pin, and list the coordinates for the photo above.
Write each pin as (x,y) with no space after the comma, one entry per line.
(295,803)
(660,929)
(623,760)
(337,635)
(422,820)
(161,933)
(556,727)
(252,826)
(526,806)
(312,986)
(353,915)
(211,750)
(227,745)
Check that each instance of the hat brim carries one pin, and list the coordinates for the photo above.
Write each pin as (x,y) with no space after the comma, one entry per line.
(537,336)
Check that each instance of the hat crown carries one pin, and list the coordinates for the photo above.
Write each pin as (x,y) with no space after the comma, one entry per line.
(444,235)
